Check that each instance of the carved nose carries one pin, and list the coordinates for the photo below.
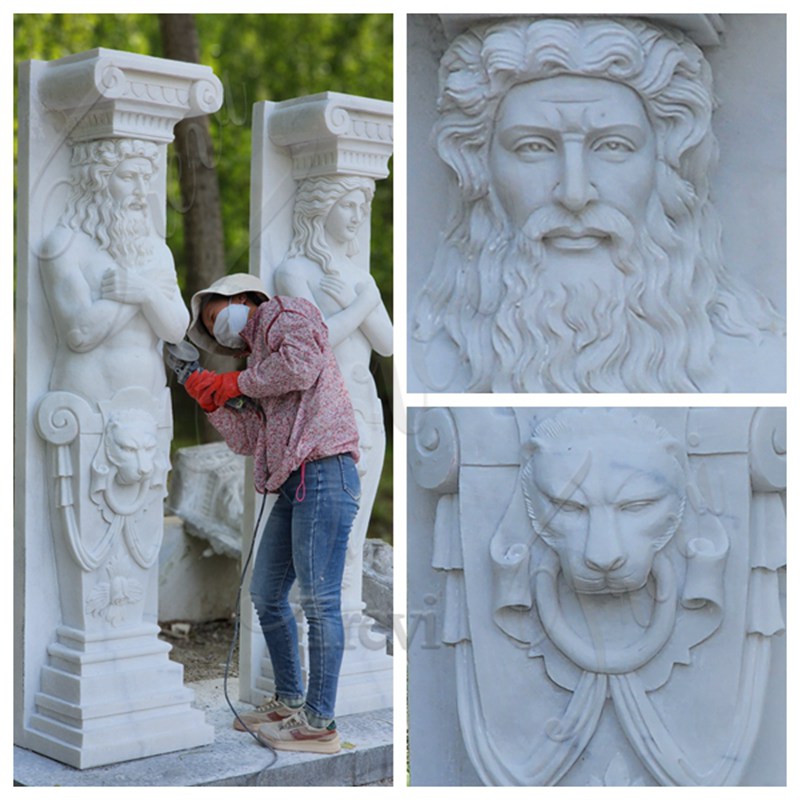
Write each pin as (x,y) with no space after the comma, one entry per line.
(602,552)
(575,190)
(605,564)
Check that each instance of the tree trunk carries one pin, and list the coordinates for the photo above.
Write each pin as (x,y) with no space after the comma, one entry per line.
(204,244)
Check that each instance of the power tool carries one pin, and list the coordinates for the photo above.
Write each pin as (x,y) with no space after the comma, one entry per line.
(183,359)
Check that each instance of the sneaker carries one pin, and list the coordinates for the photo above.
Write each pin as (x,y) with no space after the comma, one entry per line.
(294,733)
(269,711)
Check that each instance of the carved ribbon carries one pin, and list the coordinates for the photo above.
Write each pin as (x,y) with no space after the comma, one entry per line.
(656,746)
(554,750)
(58,421)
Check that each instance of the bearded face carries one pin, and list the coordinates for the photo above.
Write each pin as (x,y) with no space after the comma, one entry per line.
(129,225)
(589,286)
(572,141)
(589,302)
(583,253)
(110,205)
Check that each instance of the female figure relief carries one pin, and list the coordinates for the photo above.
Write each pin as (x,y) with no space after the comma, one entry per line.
(320,266)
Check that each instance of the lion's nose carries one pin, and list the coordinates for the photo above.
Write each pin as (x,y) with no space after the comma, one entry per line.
(608,564)
(603,552)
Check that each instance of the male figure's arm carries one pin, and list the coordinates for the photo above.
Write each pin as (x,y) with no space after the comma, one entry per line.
(82,321)
(155,291)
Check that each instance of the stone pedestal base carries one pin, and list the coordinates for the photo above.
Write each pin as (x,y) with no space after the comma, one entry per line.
(365,682)
(112,699)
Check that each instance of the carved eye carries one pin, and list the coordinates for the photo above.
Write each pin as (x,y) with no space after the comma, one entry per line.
(636,505)
(614,146)
(570,507)
(537,146)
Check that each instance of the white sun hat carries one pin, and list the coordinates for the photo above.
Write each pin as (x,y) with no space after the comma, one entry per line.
(228,286)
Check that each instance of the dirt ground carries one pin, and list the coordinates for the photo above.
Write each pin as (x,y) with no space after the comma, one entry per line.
(202,648)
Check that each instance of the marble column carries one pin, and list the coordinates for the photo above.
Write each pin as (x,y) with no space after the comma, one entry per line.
(97,296)
(315,163)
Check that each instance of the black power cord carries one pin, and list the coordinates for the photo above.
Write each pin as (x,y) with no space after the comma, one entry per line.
(244,725)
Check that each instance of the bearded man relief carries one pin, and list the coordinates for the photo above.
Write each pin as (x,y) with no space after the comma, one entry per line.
(110,282)
(584,253)
(109,279)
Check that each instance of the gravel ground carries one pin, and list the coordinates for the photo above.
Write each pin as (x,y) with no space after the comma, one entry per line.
(202,648)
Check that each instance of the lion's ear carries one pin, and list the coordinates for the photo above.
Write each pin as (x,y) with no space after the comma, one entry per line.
(678,452)
(530,447)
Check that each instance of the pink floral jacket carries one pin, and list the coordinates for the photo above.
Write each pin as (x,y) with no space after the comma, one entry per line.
(303,410)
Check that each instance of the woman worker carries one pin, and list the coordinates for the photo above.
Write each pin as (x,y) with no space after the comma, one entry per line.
(300,429)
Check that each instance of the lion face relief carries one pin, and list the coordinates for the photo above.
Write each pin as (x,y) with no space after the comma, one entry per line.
(606,501)
(131,446)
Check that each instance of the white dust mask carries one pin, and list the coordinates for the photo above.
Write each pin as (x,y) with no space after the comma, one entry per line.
(229,324)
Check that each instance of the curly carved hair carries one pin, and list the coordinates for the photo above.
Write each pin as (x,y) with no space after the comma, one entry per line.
(314,199)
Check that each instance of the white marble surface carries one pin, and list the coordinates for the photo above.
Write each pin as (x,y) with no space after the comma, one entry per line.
(98,295)
(315,163)
(578,248)
(207,492)
(597,597)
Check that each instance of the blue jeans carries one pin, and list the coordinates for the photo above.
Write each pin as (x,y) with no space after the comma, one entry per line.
(305,539)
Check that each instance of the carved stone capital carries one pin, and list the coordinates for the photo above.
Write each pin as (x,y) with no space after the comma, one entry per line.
(334,134)
(109,93)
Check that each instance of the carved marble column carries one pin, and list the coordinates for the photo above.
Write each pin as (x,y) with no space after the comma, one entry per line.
(315,163)
(97,295)
(608,587)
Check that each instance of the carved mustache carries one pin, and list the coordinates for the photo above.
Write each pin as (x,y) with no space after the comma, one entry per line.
(598,220)
(133,204)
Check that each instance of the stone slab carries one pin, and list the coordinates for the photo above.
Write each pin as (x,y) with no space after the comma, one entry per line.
(234,759)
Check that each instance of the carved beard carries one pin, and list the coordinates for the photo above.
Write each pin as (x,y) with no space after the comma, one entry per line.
(129,233)
(555,330)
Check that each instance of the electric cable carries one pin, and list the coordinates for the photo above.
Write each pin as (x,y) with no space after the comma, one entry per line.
(244,725)
(182,359)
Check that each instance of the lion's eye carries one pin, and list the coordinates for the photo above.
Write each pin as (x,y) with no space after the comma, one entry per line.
(636,506)
(570,507)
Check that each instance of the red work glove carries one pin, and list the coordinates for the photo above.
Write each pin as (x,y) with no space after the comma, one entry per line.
(198,386)
(211,390)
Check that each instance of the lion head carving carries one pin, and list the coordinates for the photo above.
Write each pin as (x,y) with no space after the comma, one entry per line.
(131,446)
(606,494)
